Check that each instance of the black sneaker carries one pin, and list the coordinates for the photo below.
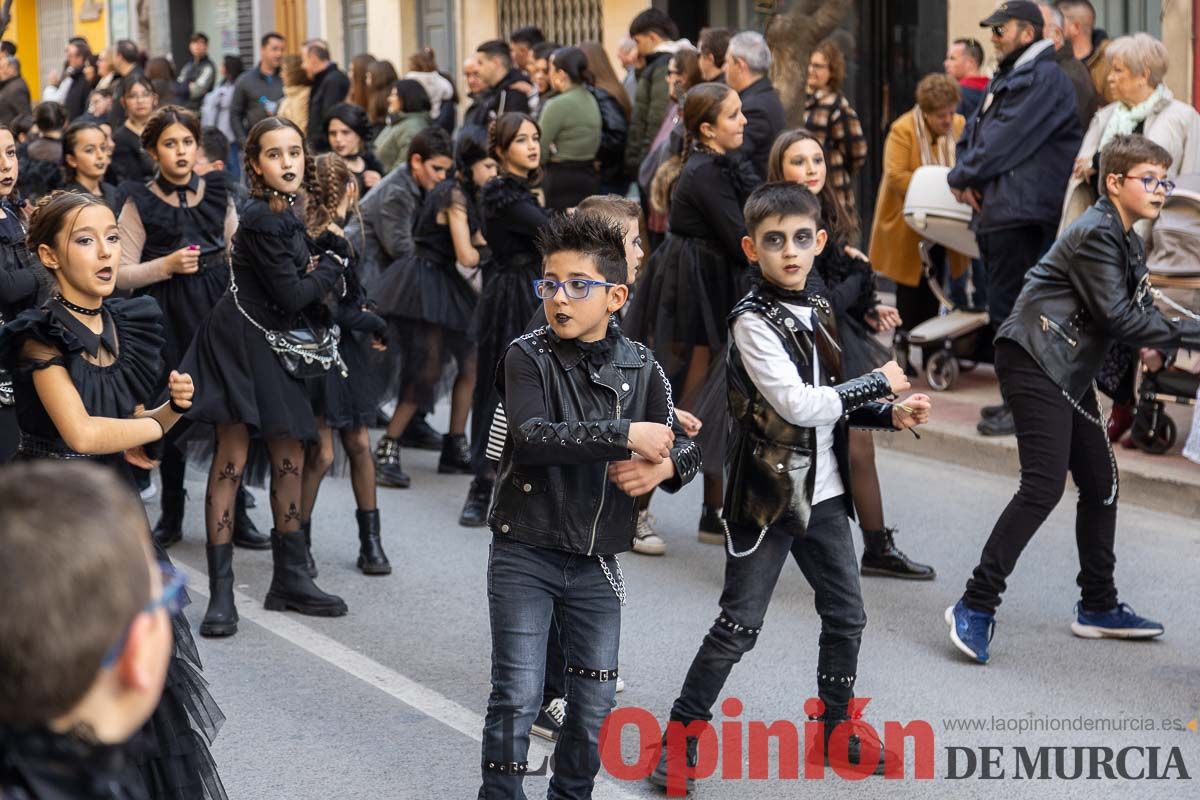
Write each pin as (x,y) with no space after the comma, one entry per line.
(987,412)
(1000,425)
(549,720)
(711,531)
(421,435)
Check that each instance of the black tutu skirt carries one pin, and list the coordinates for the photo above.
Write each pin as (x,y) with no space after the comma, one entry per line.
(186,301)
(426,289)
(503,312)
(240,381)
(351,402)
(861,351)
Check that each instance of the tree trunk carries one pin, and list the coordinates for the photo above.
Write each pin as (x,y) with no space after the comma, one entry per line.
(792,36)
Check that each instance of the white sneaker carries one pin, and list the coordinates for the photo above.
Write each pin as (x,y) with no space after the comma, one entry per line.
(620,685)
(645,540)
(149,492)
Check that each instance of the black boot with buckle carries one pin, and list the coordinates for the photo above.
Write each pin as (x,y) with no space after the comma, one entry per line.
(388,471)
(882,557)
(371,558)
(291,587)
(456,455)
(221,618)
(245,533)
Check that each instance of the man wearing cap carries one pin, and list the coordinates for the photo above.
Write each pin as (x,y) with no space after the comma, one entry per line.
(1013,163)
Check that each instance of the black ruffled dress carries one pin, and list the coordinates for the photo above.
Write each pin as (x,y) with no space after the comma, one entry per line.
(511,221)
(170,757)
(849,285)
(185,300)
(425,296)
(38,764)
(238,378)
(350,402)
(22,282)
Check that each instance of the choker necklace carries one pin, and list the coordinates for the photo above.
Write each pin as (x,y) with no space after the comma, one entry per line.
(89,312)
(291,198)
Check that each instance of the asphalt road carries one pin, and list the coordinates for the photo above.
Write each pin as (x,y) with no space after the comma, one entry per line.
(388,701)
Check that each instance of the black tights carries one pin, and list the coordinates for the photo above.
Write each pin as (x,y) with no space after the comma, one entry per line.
(225,476)
(319,459)
(864,481)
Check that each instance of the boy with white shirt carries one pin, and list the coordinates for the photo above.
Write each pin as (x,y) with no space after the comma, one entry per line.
(787,477)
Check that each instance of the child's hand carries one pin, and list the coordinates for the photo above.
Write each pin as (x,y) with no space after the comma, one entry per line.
(138,458)
(895,376)
(690,423)
(637,476)
(185,260)
(854,252)
(912,411)
(651,441)
(1152,359)
(181,388)
(884,319)
(378,343)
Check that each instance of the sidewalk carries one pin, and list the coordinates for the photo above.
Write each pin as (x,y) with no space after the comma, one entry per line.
(1168,482)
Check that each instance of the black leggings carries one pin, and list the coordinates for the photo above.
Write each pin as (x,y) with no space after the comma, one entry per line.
(1052,437)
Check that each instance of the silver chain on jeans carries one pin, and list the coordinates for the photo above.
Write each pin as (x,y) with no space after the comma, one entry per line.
(729,541)
(1100,420)
(617,583)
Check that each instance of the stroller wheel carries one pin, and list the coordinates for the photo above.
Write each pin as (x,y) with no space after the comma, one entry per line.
(941,370)
(1154,432)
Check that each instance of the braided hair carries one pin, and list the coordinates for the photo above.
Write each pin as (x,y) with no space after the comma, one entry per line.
(332,179)
(255,181)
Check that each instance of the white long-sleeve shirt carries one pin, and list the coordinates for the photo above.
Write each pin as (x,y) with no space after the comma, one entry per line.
(808,406)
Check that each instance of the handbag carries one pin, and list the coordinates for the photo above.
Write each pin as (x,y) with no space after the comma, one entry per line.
(7,399)
(307,352)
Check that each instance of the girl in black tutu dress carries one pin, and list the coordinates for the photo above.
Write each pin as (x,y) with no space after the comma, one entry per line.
(512,218)
(21,281)
(85,160)
(696,276)
(430,304)
(84,368)
(345,403)
(348,132)
(276,287)
(849,284)
(175,234)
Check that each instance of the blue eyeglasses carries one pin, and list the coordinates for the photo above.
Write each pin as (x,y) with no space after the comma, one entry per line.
(576,288)
(1150,183)
(171,600)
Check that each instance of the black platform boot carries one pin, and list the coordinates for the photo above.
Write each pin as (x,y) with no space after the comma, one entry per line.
(291,588)
(245,533)
(310,564)
(169,528)
(221,618)
(388,471)
(420,434)
(882,557)
(474,511)
(456,455)
(371,558)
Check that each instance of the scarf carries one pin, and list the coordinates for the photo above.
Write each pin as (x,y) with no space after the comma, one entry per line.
(1125,119)
(940,151)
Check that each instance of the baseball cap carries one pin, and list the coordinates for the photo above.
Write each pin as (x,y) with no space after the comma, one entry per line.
(1014,9)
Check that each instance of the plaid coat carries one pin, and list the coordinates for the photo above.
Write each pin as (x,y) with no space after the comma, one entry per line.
(830,117)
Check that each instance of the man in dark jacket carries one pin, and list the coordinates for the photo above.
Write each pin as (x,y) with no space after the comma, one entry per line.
(199,74)
(14,92)
(127,66)
(71,88)
(655,34)
(964,58)
(747,61)
(329,87)
(257,92)
(1087,100)
(507,87)
(1013,163)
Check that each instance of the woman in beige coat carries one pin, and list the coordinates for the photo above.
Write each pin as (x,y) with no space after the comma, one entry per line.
(1144,105)
(295,93)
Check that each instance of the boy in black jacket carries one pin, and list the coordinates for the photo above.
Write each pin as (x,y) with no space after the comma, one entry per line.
(591,427)
(787,488)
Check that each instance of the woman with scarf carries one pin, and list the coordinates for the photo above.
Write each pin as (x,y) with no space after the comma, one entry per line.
(920,137)
(1143,105)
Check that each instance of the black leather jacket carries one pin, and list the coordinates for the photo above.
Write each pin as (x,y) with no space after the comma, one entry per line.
(769,465)
(1090,290)
(552,486)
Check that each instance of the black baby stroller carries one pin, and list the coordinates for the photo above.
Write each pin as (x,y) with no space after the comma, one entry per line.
(1174,263)
(948,342)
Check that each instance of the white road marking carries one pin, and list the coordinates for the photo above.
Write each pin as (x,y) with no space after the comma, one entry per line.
(429,702)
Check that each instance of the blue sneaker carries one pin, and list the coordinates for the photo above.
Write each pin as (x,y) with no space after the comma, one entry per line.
(1116,623)
(971,631)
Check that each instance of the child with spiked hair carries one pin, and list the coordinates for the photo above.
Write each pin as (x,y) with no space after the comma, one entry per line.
(591,427)
(788,482)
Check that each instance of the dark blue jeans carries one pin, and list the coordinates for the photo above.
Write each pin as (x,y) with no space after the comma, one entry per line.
(530,589)
(825,554)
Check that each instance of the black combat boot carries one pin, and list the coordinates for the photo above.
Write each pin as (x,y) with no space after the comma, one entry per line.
(245,533)
(221,618)
(291,588)
(882,557)
(371,558)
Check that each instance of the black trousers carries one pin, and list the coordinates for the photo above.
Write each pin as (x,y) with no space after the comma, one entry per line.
(1052,438)
(1007,255)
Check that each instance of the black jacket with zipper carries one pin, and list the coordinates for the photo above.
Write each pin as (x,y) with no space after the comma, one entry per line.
(552,485)
(1090,290)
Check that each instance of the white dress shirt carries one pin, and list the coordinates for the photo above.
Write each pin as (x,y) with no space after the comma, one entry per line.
(772,371)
